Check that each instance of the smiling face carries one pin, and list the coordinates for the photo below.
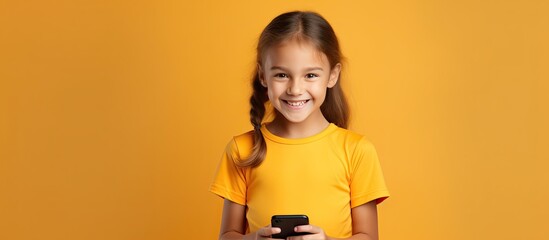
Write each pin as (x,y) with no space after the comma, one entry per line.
(297,76)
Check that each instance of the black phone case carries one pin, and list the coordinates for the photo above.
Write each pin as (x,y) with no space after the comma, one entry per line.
(287,223)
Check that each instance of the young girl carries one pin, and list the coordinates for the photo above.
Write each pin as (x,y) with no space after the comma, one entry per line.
(304,161)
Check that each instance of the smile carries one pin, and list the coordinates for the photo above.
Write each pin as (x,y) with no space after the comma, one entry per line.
(295,103)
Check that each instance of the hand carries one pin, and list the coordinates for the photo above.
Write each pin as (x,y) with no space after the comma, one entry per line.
(316,233)
(262,233)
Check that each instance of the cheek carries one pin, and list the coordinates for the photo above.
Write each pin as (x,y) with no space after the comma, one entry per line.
(272,92)
(276,89)
(271,96)
(320,89)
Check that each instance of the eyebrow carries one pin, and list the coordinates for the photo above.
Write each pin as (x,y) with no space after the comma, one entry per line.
(307,69)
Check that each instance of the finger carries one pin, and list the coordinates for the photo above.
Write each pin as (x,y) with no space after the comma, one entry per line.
(268,231)
(275,230)
(308,228)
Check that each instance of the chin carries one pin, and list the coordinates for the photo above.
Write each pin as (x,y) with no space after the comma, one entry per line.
(295,120)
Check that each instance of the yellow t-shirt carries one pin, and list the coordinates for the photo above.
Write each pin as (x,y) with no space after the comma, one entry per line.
(322,176)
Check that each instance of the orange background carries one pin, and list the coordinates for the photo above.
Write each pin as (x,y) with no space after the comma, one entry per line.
(114,114)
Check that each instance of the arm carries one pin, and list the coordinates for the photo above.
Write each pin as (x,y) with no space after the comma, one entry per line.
(233,221)
(365,221)
(364,224)
(233,224)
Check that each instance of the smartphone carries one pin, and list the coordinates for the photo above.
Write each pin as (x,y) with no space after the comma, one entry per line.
(287,223)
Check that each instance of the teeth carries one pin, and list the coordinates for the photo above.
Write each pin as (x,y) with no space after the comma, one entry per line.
(296,104)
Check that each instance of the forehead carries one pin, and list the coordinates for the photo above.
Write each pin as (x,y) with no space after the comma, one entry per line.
(295,53)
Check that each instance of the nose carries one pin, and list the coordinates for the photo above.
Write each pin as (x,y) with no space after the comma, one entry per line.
(295,87)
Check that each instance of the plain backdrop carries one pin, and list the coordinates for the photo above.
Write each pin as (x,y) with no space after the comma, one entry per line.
(114,114)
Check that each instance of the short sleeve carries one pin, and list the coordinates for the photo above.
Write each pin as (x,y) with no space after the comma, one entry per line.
(230,180)
(367,182)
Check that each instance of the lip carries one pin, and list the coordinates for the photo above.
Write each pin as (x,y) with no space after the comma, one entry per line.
(296,104)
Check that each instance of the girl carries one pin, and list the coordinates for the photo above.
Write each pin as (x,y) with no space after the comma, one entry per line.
(304,161)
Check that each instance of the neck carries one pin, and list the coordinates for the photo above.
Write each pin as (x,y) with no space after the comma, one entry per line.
(286,129)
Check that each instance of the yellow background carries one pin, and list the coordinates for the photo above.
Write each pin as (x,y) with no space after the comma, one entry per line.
(114,114)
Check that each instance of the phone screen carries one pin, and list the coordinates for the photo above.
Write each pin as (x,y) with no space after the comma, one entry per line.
(287,223)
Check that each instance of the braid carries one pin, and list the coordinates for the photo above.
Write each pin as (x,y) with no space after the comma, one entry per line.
(257,112)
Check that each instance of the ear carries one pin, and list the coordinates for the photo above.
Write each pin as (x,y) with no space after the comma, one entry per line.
(334,75)
(261,75)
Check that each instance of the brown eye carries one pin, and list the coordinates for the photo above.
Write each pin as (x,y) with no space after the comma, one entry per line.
(311,75)
(281,75)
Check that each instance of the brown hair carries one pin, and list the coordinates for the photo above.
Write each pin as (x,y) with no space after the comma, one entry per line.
(314,29)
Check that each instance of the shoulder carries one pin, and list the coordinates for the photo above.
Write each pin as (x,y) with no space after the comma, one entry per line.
(357,147)
(352,140)
(244,138)
(240,146)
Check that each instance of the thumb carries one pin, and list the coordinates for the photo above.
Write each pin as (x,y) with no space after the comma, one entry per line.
(268,231)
